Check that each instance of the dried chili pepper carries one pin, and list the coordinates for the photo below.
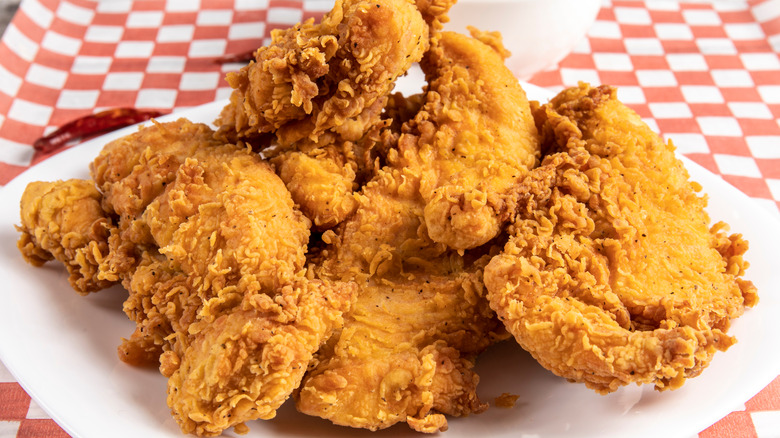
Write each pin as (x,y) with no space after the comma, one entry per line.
(101,122)
(243,57)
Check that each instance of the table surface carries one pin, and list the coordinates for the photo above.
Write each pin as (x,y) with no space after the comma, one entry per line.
(704,73)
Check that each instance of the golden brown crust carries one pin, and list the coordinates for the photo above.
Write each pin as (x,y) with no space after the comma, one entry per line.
(473,139)
(211,248)
(320,89)
(63,220)
(244,364)
(612,274)
(408,346)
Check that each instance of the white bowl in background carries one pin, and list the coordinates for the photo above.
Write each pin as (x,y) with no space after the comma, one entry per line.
(539,33)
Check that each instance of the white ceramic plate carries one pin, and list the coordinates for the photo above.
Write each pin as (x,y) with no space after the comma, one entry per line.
(62,347)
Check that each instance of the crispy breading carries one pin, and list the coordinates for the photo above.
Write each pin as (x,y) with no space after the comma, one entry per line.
(63,220)
(244,364)
(320,89)
(407,349)
(613,273)
(474,140)
(212,249)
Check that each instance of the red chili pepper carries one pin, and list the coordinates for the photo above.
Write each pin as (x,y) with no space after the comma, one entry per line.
(101,122)
(236,57)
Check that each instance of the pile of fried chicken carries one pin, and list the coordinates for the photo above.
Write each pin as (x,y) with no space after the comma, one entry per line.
(358,249)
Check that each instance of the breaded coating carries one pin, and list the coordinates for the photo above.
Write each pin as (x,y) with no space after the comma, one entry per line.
(407,349)
(320,89)
(406,353)
(212,250)
(244,364)
(63,220)
(443,223)
(474,140)
(197,217)
(613,273)
(133,170)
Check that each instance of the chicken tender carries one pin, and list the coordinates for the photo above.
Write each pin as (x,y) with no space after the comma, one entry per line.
(196,216)
(407,349)
(320,89)
(613,273)
(212,250)
(474,140)
(63,220)
(406,354)
(244,364)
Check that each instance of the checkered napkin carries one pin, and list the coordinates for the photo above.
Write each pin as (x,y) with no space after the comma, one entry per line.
(706,74)
(60,60)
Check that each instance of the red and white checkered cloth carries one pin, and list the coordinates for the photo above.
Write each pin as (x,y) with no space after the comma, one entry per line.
(704,73)
(60,60)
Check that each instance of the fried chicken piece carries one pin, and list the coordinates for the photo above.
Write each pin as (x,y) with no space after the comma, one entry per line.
(245,364)
(326,77)
(63,220)
(474,138)
(200,214)
(133,170)
(613,274)
(320,88)
(407,349)
(212,250)
(223,227)
(175,188)
(406,353)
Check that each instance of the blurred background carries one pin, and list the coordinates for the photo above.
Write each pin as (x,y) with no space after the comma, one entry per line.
(7,9)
